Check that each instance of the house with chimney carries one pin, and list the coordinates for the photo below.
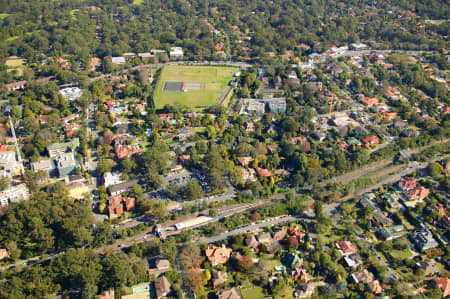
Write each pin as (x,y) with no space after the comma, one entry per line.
(218,255)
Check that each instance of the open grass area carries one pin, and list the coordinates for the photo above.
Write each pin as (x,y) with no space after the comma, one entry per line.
(252,293)
(13,63)
(215,80)
(138,2)
(435,22)
(400,254)
(3,15)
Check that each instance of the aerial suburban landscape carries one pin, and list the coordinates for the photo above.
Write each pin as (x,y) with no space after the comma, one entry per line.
(224,149)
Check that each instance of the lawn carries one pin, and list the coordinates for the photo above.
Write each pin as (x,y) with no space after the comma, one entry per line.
(215,80)
(400,254)
(138,2)
(13,63)
(252,293)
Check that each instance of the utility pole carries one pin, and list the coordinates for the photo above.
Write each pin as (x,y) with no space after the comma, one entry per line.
(19,158)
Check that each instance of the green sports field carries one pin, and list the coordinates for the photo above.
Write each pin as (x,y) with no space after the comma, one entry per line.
(214,79)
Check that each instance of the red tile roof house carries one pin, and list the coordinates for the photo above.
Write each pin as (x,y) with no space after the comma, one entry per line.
(443,284)
(370,101)
(184,158)
(218,255)
(244,161)
(129,203)
(264,173)
(346,247)
(300,274)
(111,103)
(127,150)
(4,254)
(389,115)
(166,117)
(363,276)
(115,206)
(370,141)
(407,183)
(418,193)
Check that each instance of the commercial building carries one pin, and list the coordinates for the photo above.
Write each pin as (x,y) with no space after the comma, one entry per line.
(66,163)
(14,194)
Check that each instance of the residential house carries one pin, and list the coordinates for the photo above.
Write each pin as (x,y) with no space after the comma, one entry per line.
(365,202)
(118,60)
(370,141)
(389,115)
(140,108)
(15,85)
(300,274)
(280,234)
(353,260)
(108,294)
(293,260)
(417,194)
(93,63)
(369,101)
(219,278)
(167,117)
(184,158)
(249,175)
(129,203)
(423,239)
(162,287)
(161,266)
(407,183)
(440,210)
(4,254)
(56,149)
(363,276)
(122,187)
(218,255)
(110,179)
(430,267)
(345,247)
(14,194)
(176,52)
(127,150)
(380,218)
(392,232)
(375,287)
(304,290)
(252,243)
(265,238)
(115,206)
(66,163)
(264,173)
(244,161)
(392,200)
(443,284)
(70,118)
(228,294)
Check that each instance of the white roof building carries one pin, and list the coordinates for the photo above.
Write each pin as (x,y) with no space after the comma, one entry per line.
(176,52)
(9,166)
(118,60)
(14,194)
(71,93)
